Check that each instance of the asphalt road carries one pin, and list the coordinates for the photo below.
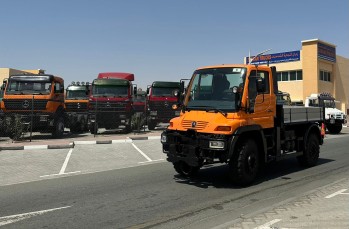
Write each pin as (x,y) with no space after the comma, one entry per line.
(131,185)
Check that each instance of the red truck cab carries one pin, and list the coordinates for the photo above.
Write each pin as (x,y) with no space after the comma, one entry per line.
(111,101)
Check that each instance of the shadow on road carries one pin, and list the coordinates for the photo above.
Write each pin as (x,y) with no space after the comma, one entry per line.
(218,176)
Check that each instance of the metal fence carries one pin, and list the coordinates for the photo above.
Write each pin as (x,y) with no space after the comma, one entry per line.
(28,119)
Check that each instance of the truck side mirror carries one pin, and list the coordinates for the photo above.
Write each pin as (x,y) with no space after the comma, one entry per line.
(148,91)
(135,90)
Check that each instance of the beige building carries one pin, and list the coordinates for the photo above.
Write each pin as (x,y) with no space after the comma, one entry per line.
(6,72)
(312,70)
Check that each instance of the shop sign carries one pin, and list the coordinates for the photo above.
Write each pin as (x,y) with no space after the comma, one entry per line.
(326,52)
(276,58)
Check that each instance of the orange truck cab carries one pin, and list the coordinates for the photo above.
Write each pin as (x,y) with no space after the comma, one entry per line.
(38,100)
(111,101)
(76,106)
(229,114)
(159,102)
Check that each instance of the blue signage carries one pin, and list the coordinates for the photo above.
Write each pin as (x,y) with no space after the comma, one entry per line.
(276,58)
(326,52)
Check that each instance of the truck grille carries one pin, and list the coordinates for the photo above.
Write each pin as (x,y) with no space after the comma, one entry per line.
(25,104)
(109,106)
(199,125)
(76,106)
(163,108)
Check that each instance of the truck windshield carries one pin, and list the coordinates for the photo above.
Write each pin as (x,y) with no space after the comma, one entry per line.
(109,90)
(163,91)
(76,94)
(329,103)
(212,88)
(28,87)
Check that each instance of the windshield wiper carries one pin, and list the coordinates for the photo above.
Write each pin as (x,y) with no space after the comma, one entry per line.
(209,109)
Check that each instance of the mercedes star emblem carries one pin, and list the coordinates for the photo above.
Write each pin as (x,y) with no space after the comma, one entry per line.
(25,104)
(193,124)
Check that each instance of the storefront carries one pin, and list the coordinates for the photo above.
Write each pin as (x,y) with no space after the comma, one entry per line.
(312,70)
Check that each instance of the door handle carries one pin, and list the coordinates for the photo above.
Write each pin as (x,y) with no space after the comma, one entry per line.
(269,110)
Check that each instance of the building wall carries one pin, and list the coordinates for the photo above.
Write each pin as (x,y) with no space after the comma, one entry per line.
(295,88)
(6,72)
(342,83)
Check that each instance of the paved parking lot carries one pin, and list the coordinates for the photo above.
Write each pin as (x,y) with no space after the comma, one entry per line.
(28,165)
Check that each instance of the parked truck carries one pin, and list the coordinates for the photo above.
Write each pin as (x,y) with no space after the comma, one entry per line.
(229,114)
(37,100)
(111,101)
(159,103)
(76,106)
(334,118)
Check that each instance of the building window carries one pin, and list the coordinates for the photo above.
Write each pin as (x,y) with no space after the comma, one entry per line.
(290,75)
(325,76)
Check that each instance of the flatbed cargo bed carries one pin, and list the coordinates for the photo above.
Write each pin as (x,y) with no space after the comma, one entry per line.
(299,114)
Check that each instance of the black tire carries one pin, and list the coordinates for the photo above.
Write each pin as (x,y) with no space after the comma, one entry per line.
(151,125)
(93,128)
(334,129)
(311,152)
(245,165)
(58,128)
(184,169)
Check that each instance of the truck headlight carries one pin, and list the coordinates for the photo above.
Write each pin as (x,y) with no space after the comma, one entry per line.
(163,138)
(153,112)
(216,145)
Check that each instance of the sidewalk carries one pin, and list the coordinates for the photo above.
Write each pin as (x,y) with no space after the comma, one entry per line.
(70,140)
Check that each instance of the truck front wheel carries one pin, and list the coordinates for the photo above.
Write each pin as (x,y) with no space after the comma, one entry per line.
(311,152)
(244,164)
(151,125)
(184,169)
(58,128)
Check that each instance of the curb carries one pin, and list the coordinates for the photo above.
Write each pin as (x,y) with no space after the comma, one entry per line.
(74,143)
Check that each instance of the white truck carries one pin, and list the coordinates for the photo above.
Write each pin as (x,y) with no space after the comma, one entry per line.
(334,118)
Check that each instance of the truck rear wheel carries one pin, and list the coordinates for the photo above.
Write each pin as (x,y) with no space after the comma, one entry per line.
(311,152)
(244,165)
(58,128)
(184,169)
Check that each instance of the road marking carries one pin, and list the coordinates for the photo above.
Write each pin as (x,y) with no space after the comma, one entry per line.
(150,161)
(15,218)
(140,151)
(60,174)
(66,162)
(268,224)
(340,192)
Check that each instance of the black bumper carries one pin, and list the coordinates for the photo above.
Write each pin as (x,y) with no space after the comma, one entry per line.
(192,147)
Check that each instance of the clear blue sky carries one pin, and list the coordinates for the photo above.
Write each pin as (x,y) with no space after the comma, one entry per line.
(159,39)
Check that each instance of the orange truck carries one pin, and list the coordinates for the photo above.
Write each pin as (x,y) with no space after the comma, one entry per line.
(76,106)
(229,114)
(38,99)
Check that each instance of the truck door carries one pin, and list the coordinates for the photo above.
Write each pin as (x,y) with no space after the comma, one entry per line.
(261,107)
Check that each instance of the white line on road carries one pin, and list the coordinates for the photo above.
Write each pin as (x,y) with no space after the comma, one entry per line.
(66,161)
(268,224)
(60,174)
(140,151)
(15,218)
(150,161)
(340,192)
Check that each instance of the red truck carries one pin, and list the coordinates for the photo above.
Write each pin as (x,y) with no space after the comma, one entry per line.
(111,101)
(159,102)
